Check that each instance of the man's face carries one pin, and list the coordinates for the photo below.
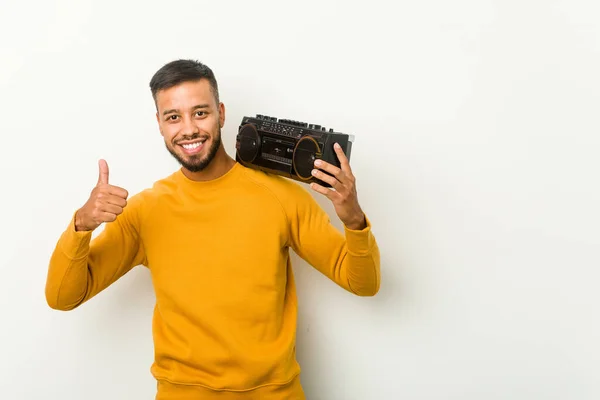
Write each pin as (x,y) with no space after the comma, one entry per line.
(190,121)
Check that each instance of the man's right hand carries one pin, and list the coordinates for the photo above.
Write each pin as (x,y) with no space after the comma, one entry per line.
(105,203)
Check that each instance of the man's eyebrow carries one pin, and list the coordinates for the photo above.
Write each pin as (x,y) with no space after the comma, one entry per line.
(174,110)
(169,111)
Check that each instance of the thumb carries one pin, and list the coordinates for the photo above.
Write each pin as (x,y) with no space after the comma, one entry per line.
(103,176)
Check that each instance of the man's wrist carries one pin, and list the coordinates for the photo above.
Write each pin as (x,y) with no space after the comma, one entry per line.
(78,226)
(358,224)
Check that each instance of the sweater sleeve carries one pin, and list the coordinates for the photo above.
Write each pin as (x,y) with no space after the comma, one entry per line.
(349,258)
(80,267)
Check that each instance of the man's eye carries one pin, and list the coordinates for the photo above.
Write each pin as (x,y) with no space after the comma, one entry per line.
(200,113)
(172,117)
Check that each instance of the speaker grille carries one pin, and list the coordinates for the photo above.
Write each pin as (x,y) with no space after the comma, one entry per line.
(248,143)
(305,154)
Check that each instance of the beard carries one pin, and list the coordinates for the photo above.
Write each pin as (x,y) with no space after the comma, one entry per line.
(197,162)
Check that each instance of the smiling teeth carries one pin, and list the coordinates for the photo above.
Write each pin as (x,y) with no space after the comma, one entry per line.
(191,146)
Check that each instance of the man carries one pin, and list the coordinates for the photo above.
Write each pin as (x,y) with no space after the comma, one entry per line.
(215,236)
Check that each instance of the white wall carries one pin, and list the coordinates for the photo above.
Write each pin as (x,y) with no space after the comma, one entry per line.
(476,153)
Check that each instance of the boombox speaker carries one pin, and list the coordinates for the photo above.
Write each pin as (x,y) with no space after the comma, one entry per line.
(288,148)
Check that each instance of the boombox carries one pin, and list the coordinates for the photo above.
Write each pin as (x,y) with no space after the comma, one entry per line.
(288,148)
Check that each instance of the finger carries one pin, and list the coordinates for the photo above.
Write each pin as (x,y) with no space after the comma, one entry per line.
(110,209)
(325,166)
(116,200)
(344,163)
(326,178)
(324,191)
(116,194)
(108,217)
(103,175)
(117,191)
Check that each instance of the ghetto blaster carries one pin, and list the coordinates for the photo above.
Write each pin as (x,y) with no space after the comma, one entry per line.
(288,148)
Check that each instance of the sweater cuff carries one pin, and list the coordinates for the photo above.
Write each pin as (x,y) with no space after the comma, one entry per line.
(359,242)
(75,244)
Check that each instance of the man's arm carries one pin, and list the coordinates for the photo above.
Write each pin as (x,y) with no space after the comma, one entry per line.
(351,259)
(80,267)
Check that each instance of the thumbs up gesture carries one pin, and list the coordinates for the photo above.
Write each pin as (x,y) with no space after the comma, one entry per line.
(105,203)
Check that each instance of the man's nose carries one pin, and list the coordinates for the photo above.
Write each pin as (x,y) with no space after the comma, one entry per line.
(189,128)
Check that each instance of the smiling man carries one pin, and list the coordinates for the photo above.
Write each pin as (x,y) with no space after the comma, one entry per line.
(190,117)
(215,237)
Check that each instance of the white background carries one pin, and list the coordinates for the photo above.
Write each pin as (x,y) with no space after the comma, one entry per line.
(476,156)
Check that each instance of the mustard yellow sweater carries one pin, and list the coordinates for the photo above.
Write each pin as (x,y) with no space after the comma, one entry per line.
(218,252)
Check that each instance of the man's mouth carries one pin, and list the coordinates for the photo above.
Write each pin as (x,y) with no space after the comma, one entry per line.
(192,146)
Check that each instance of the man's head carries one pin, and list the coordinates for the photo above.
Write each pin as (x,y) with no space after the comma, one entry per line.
(189,113)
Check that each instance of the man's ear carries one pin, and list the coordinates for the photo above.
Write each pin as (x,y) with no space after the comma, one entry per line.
(221,115)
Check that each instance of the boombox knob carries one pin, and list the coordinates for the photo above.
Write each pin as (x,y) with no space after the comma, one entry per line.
(248,143)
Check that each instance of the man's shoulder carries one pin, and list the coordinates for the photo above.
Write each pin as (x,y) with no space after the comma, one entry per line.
(164,185)
(150,194)
(285,189)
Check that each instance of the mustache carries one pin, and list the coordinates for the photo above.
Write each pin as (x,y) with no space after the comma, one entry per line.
(193,137)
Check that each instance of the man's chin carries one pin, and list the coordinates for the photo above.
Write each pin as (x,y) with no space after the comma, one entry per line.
(192,163)
(195,166)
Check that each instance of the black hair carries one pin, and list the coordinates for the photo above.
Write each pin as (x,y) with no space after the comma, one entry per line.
(179,71)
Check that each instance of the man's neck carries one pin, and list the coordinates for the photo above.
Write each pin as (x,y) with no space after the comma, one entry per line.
(218,167)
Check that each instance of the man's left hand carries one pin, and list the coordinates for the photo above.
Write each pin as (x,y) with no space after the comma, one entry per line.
(343,196)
